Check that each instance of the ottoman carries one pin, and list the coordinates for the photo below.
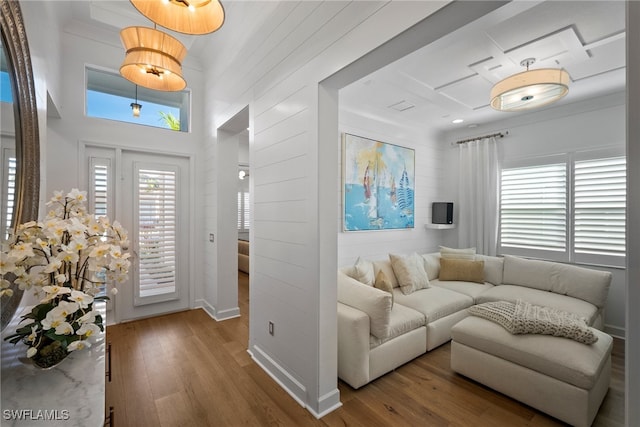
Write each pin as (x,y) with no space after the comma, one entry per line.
(559,376)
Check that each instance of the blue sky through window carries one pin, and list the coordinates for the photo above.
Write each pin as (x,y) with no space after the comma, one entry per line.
(106,106)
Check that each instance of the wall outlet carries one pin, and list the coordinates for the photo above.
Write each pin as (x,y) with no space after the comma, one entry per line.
(211,237)
(270,328)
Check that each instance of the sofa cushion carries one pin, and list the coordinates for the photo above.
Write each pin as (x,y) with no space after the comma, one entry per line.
(461,269)
(471,289)
(466,253)
(383,283)
(493,268)
(363,271)
(434,302)
(374,302)
(561,358)
(512,293)
(402,320)
(410,272)
(587,284)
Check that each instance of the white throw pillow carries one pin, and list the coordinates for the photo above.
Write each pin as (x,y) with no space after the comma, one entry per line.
(374,302)
(432,265)
(451,253)
(363,272)
(410,272)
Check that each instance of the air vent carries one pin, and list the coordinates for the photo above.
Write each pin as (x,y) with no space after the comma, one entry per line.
(401,106)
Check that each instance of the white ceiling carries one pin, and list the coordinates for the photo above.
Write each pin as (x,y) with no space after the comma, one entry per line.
(449,79)
(452,78)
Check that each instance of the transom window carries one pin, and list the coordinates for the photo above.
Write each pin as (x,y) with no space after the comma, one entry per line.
(109,96)
(567,208)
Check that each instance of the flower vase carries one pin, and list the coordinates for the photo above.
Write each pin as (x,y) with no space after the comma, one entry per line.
(49,355)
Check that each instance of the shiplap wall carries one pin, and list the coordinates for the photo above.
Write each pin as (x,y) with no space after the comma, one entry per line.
(278,78)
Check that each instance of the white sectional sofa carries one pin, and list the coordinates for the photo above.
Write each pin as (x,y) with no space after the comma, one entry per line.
(379,330)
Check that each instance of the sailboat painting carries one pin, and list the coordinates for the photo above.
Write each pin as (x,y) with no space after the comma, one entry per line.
(378,184)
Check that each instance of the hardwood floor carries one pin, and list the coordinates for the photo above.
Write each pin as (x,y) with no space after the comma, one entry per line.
(186,369)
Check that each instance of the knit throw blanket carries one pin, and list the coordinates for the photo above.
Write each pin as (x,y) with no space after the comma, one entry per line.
(525,318)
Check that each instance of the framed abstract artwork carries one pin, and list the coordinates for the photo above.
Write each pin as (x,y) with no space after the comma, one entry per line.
(378,185)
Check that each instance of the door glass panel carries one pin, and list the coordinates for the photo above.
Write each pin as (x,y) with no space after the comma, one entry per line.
(156,232)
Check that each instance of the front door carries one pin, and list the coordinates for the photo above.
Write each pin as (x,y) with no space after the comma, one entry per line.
(154,204)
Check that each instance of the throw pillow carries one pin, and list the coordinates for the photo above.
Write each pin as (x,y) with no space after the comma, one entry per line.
(374,302)
(410,272)
(461,269)
(468,253)
(363,272)
(383,283)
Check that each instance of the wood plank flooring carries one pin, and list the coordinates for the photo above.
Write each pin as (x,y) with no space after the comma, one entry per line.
(186,369)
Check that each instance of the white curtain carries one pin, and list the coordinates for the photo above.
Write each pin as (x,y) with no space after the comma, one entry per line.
(479,167)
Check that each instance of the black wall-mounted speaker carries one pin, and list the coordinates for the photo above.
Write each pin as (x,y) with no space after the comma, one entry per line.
(442,213)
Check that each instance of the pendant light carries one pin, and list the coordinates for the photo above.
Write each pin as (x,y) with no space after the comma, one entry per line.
(135,107)
(153,59)
(530,89)
(184,16)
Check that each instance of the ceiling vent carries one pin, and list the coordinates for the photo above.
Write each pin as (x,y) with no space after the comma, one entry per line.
(401,106)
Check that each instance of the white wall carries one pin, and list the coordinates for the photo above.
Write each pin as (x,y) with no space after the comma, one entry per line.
(287,280)
(431,172)
(587,125)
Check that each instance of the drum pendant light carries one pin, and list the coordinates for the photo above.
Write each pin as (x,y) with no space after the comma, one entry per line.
(184,16)
(530,89)
(153,59)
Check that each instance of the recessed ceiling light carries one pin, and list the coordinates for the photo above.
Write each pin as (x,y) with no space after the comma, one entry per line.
(456,121)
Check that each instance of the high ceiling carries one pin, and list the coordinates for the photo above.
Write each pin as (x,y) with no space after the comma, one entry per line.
(452,78)
(449,79)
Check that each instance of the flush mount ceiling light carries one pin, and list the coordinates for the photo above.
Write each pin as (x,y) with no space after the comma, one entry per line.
(184,16)
(530,89)
(153,59)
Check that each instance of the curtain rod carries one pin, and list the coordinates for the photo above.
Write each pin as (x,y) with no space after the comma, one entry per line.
(477,138)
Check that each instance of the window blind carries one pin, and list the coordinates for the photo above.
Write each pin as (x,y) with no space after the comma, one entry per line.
(533,208)
(243,211)
(157,209)
(599,206)
(100,196)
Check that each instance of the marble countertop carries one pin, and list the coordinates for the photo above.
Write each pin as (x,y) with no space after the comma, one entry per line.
(70,394)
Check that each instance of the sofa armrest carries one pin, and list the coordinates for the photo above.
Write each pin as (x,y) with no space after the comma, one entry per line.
(353,346)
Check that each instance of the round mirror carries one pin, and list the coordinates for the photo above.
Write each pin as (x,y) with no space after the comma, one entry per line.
(21,159)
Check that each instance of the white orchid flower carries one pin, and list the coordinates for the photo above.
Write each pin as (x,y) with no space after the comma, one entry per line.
(64,328)
(65,308)
(52,320)
(21,250)
(81,298)
(77,195)
(88,330)
(78,345)
(89,317)
(56,290)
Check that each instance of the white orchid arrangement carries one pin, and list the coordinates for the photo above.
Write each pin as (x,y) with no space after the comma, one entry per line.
(67,260)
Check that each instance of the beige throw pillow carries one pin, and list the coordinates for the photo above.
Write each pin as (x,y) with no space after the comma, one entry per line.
(467,253)
(383,283)
(461,269)
(410,272)
(363,272)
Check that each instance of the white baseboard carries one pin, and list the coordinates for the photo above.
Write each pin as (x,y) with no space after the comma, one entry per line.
(216,315)
(280,375)
(615,331)
(326,403)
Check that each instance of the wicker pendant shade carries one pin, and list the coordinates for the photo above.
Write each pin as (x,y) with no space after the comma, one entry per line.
(153,59)
(184,16)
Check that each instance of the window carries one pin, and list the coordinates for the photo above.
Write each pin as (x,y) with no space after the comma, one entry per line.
(109,96)
(571,210)
(243,199)
(9,169)
(533,208)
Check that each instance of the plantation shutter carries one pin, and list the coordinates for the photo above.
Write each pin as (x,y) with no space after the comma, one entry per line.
(157,208)
(9,186)
(599,206)
(533,208)
(243,211)
(101,188)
